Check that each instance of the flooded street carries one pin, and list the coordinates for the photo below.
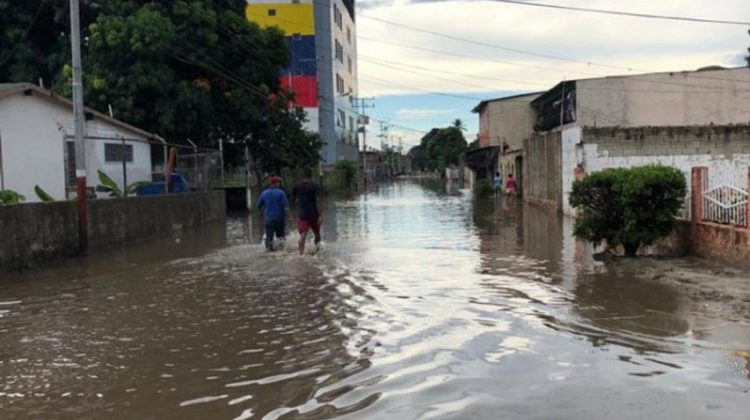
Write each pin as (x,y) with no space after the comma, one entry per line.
(423,303)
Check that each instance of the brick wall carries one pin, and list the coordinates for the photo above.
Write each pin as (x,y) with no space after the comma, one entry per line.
(724,150)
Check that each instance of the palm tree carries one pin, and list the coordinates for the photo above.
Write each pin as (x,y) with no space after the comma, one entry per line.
(457,123)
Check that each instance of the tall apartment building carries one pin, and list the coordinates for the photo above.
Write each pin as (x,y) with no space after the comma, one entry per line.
(323,66)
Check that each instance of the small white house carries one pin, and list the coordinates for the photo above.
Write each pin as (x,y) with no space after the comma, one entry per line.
(37,144)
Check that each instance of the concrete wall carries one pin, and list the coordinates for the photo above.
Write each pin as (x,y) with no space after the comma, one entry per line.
(725,150)
(34,232)
(665,99)
(542,176)
(510,121)
(32,129)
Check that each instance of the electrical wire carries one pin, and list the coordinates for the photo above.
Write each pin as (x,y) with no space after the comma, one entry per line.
(499,47)
(623,13)
(25,34)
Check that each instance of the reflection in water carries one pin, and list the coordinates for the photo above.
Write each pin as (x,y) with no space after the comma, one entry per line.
(423,303)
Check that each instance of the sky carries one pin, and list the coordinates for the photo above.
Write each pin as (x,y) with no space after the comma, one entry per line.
(416,89)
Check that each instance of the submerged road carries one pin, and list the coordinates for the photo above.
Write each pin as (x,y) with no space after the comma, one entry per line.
(423,303)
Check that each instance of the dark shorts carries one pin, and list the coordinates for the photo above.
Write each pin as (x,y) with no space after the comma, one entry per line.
(306,224)
(274,229)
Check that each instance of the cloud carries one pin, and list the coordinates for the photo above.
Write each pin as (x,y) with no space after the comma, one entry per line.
(644,45)
(418,114)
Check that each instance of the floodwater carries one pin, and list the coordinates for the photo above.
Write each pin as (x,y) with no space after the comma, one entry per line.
(423,303)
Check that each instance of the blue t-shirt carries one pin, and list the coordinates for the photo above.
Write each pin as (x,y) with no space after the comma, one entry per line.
(273,202)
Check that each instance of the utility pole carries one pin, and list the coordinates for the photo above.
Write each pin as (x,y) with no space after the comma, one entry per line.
(383,134)
(363,120)
(80,128)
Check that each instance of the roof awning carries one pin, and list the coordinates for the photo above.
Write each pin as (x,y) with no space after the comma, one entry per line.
(482,158)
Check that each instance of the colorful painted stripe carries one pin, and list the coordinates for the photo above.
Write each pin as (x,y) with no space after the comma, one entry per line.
(292,18)
(305,89)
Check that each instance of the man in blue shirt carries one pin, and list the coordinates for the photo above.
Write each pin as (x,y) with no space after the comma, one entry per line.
(273,204)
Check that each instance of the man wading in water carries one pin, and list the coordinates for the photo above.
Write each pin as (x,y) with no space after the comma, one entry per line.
(272,204)
(307,195)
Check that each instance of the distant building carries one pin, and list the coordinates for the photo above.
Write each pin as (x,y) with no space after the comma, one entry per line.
(37,146)
(503,125)
(371,164)
(323,70)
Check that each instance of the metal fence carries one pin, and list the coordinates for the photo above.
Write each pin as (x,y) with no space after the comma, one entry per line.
(202,171)
(724,203)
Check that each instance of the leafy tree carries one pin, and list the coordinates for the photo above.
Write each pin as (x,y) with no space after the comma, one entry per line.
(108,185)
(443,147)
(346,173)
(629,207)
(418,161)
(192,69)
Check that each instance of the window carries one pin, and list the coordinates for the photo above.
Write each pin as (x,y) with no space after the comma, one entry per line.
(351,123)
(118,152)
(271,12)
(339,84)
(339,51)
(349,35)
(337,16)
(341,118)
(349,64)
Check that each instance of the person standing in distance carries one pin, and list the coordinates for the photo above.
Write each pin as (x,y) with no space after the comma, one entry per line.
(498,183)
(307,195)
(272,204)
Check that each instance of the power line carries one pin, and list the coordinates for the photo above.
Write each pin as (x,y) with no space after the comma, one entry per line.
(474,57)
(633,77)
(622,13)
(500,47)
(395,63)
(531,53)
(25,34)
(379,81)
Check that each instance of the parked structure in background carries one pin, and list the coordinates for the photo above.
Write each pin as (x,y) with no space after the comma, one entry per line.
(37,144)
(323,71)
(682,119)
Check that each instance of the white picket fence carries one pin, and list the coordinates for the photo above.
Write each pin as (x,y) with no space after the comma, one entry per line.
(724,203)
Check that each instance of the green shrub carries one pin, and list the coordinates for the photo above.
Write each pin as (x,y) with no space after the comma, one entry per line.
(346,173)
(43,195)
(10,197)
(629,207)
(482,188)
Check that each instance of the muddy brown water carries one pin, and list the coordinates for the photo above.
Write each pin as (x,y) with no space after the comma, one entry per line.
(423,303)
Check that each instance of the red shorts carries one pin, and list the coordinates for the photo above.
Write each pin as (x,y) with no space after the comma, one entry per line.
(304,225)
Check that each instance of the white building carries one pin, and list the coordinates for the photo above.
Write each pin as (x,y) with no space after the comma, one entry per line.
(37,145)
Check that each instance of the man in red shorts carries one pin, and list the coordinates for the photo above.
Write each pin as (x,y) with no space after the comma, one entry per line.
(307,195)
